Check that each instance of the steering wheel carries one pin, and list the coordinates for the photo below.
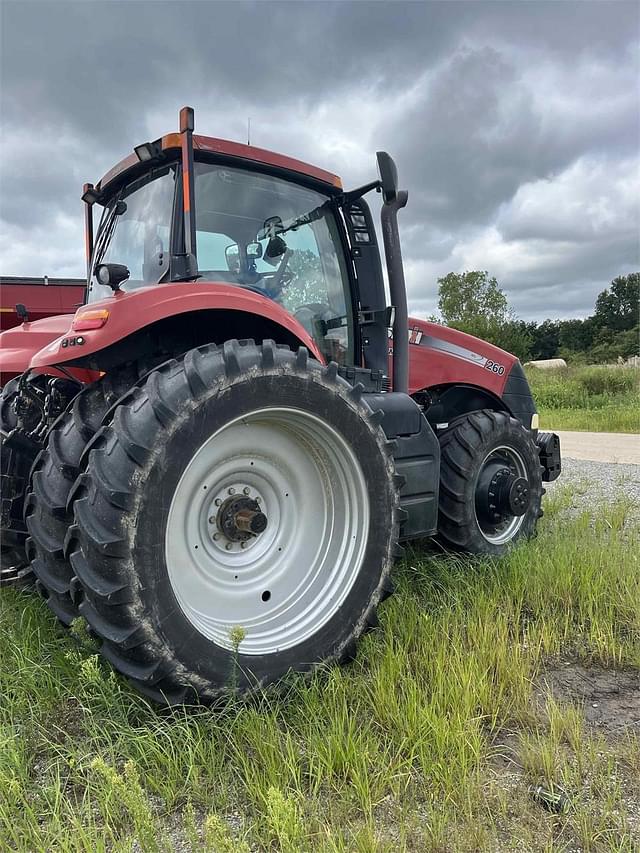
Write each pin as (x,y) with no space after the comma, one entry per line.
(277,282)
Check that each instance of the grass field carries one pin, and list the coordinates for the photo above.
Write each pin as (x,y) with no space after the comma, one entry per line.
(429,741)
(597,399)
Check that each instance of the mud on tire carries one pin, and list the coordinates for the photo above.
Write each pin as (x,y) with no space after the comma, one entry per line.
(124,499)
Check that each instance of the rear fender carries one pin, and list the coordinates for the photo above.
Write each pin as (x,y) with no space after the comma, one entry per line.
(199,312)
(448,402)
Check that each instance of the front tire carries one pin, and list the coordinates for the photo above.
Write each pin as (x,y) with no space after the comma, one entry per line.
(237,520)
(490,483)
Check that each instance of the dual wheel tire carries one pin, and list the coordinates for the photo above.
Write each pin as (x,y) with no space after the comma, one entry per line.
(15,465)
(48,512)
(234,519)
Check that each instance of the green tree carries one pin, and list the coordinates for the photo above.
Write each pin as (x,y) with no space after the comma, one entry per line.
(618,307)
(576,335)
(306,285)
(545,339)
(471,296)
(609,346)
(474,303)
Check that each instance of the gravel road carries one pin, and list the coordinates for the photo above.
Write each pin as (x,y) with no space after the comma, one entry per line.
(601,446)
(601,480)
(598,481)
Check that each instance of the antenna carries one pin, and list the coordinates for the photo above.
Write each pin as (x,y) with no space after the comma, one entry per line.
(249,130)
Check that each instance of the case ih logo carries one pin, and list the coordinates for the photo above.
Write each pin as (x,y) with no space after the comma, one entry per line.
(415,336)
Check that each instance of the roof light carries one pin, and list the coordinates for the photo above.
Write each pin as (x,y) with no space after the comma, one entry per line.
(90,195)
(94,318)
(144,152)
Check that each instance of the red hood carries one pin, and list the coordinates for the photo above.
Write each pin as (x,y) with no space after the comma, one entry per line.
(19,344)
(439,355)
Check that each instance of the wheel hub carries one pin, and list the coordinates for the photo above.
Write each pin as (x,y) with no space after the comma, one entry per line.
(240,518)
(517,497)
(236,517)
(501,493)
(508,494)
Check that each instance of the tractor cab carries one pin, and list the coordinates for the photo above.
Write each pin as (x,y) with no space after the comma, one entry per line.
(197,209)
(266,234)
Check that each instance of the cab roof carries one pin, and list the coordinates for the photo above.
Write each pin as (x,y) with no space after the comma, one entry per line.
(228,149)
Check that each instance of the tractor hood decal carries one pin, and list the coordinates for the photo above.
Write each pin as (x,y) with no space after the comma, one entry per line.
(453,349)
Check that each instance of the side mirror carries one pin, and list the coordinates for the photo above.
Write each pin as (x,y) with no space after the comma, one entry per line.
(388,175)
(232,257)
(254,251)
(112,275)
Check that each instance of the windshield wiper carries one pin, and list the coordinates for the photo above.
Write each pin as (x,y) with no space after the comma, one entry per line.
(274,224)
(106,233)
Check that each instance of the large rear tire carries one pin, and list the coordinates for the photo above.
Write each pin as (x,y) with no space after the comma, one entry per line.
(47,514)
(237,520)
(490,483)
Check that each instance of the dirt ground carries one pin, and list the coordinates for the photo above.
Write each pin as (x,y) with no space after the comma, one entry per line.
(610,699)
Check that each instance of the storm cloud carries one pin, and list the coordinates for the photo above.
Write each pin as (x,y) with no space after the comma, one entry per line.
(515,126)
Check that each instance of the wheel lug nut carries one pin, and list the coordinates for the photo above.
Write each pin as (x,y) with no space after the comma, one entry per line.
(232,491)
(216,536)
(228,546)
(217,501)
(246,490)
(243,544)
(212,519)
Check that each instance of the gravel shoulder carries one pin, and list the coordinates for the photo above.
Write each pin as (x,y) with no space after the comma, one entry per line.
(597,482)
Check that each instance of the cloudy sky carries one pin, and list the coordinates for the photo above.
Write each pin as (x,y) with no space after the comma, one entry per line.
(515,125)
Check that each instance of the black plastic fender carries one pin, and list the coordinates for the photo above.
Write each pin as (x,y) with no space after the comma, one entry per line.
(417,457)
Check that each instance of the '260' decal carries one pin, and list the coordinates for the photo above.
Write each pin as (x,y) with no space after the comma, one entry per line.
(494,367)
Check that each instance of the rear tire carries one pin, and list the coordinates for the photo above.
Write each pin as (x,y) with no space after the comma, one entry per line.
(473,448)
(47,514)
(166,590)
(15,464)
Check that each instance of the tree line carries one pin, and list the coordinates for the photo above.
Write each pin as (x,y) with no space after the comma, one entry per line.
(474,303)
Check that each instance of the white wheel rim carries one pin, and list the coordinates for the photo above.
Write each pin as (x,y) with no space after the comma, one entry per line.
(502,533)
(287,582)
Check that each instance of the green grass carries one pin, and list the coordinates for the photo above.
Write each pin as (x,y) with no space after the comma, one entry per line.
(612,419)
(403,750)
(597,398)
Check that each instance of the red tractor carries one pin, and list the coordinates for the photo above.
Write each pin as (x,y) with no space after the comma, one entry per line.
(214,460)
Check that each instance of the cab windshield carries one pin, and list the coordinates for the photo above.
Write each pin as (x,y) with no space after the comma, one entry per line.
(279,239)
(255,231)
(134,230)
